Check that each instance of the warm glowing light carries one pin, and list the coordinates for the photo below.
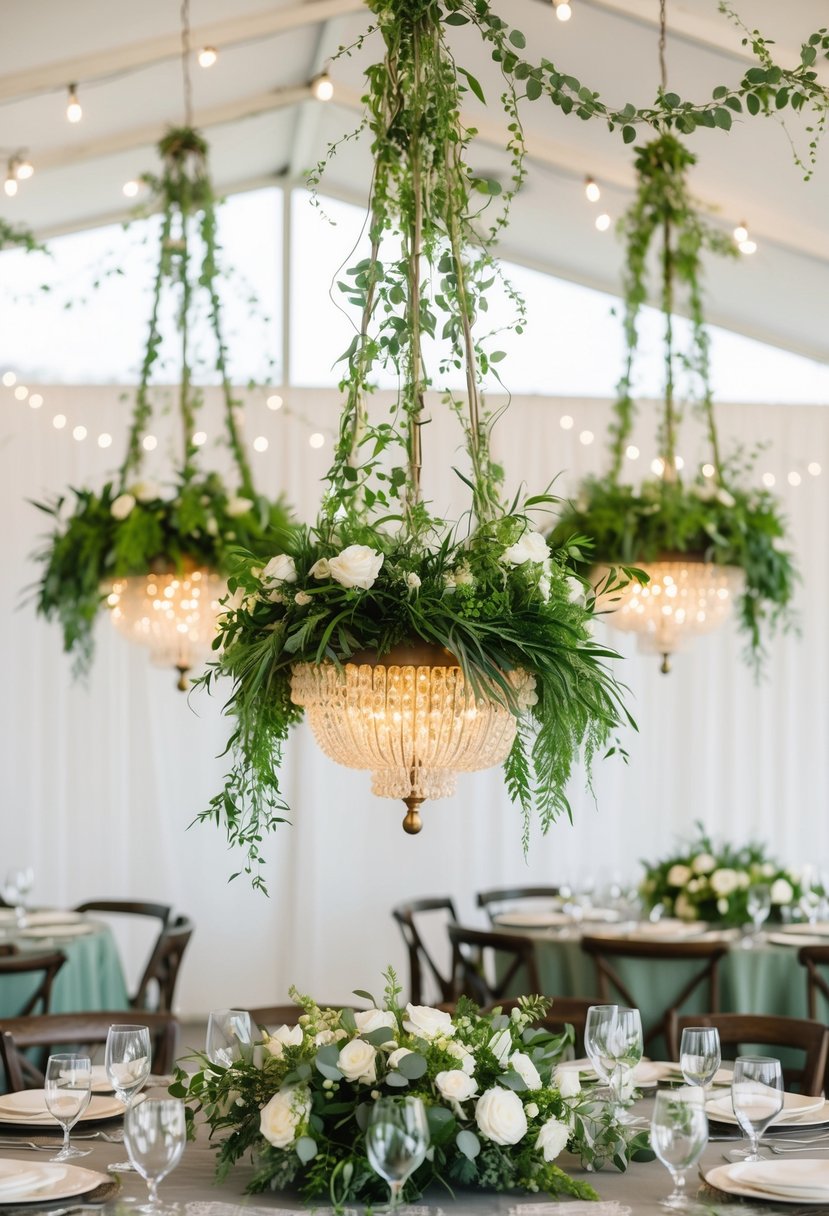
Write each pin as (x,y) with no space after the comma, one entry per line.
(74,112)
(794,478)
(59,422)
(149,443)
(586,437)
(769,480)
(79,433)
(316,440)
(207,56)
(603,222)
(9,378)
(21,392)
(679,463)
(24,169)
(35,401)
(199,438)
(322,87)
(260,444)
(564,10)
(104,440)
(274,402)
(748,247)
(173,614)
(632,452)
(740,233)
(814,469)
(658,466)
(10,185)
(131,188)
(591,190)
(565,422)
(708,470)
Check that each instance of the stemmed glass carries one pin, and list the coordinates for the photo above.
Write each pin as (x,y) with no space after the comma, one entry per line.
(397,1138)
(614,1044)
(679,1133)
(757,1098)
(67,1090)
(155,1134)
(758,903)
(16,886)
(128,1058)
(229,1036)
(700,1055)
(600,1019)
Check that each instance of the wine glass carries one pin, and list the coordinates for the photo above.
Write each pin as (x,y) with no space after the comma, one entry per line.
(757,1098)
(67,1089)
(699,1055)
(16,886)
(128,1057)
(679,1133)
(229,1036)
(155,1134)
(627,1044)
(397,1138)
(758,903)
(597,1028)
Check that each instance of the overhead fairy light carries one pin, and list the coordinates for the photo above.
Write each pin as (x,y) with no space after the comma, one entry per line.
(74,111)
(23,169)
(131,188)
(10,184)
(207,56)
(744,242)
(564,10)
(632,451)
(274,402)
(591,190)
(9,379)
(603,222)
(317,439)
(322,87)
(814,469)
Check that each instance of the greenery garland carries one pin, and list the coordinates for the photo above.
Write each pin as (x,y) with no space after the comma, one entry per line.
(716,518)
(133,526)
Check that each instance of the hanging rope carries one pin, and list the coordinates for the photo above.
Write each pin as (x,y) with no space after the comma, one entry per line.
(187,84)
(663,32)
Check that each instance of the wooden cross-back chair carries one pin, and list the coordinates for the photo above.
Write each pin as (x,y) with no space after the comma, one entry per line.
(610,985)
(492,899)
(814,958)
(47,965)
(421,961)
(161,973)
(474,969)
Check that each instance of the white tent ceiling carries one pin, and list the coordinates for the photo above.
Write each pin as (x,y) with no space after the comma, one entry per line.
(254,106)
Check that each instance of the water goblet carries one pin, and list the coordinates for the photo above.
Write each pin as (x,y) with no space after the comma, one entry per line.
(155,1134)
(679,1133)
(16,886)
(756,1098)
(67,1089)
(397,1138)
(229,1036)
(127,1058)
(758,904)
(700,1055)
(627,1044)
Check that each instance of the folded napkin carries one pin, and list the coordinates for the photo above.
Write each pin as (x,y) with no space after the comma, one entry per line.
(801,1179)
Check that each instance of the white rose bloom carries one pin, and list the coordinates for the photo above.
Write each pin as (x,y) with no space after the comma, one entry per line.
(122,506)
(767,870)
(397,1056)
(373,1019)
(146,491)
(500,1045)
(287,1109)
(413,581)
(568,1082)
(743,880)
(678,875)
(552,1138)
(302,598)
(428,1023)
(724,881)
(500,1116)
(356,566)
(683,907)
(526,1070)
(531,547)
(238,506)
(575,589)
(357,1061)
(280,569)
(782,892)
(324,1037)
(703,863)
(320,569)
(282,1037)
(462,1053)
(722,906)
(455,1085)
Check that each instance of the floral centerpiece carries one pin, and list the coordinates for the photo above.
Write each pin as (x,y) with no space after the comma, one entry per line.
(499,1114)
(707,882)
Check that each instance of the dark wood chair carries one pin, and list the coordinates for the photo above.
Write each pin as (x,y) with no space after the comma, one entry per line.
(45,965)
(492,900)
(813,958)
(809,1038)
(565,1011)
(127,907)
(421,961)
(474,970)
(158,983)
(83,1030)
(611,987)
(7,948)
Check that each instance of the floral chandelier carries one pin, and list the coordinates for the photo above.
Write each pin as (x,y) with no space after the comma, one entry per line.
(417,648)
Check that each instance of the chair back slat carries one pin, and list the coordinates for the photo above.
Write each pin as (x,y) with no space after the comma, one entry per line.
(813,958)
(492,899)
(47,964)
(420,957)
(162,970)
(470,955)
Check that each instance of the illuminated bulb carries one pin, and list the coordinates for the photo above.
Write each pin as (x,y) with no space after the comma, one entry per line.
(149,443)
(79,433)
(658,466)
(35,401)
(207,56)
(74,113)
(592,190)
(814,469)
(740,233)
(10,185)
(603,222)
(586,437)
(748,247)
(566,422)
(794,478)
(316,440)
(21,392)
(130,188)
(322,87)
(9,378)
(563,10)
(632,452)
(274,402)
(104,440)
(260,444)
(59,422)
(768,480)
(679,463)
(708,470)
(199,438)
(23,170)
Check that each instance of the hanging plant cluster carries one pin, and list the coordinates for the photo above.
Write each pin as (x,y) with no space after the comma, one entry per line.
(417,648)
(708,543)
(156,557)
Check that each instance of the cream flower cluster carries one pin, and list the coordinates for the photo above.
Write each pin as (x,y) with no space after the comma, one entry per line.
(702,879)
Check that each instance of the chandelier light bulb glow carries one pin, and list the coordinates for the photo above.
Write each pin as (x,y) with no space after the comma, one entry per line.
(564,10)
(74,112)
(207,56)
(322,87)
(591,190)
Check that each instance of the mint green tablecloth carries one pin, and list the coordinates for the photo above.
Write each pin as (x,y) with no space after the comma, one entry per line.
(91,978)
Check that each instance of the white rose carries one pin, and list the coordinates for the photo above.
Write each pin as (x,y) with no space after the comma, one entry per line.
(526,1070)
(279,1120)
(568,1082)
(722,906)
(357,1061)
(767,870)
(282,1037)
(531,547)
(373,1019)
(122,506)
(462,1053)
(500,1116)
(575,589)
(280,569)
(320,569)
(781,892)
(397,1056)
(413,581)
(703,863)
(678,875)
(683,907)
(743,880)
(238,506)
(428,1023)
(724,882)
(324,1037)
(552,1138)
(302,598)
(531,1110)
(146,491)
(455,1085)
(500,1045)
(356,566)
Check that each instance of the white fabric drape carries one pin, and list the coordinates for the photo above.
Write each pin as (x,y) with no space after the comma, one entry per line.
(101,781)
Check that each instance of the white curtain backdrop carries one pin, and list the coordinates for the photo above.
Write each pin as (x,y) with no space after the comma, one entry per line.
(101,781)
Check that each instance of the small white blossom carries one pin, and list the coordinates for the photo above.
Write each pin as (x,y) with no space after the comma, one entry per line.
(413,581)
(302,598)
(122,506)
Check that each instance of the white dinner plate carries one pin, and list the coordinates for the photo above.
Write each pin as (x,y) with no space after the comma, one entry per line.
(738,1179)
(532,920)
(29,1106)
(796,1109)
(794,939)
(101,1083)
(819,929)
(48,931)
(646,1074)
(16,1176)
(54,916)
(53,1181)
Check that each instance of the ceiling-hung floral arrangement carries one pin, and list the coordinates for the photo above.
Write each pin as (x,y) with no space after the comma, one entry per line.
(418,648)
(156,558)
(709,544)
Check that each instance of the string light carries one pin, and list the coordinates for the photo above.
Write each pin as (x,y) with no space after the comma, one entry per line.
(207,56)
(131,188)
(79,433)
(316,440)
(744,242)
(35,401)
(21,392)
(322,87)
(274,402)
(10,184)
(586,437)
(199,439)
(260,444)
(603,222)
(679,463)
(794,478)
(149,443)
(566,422)
(658,466)
(23,170)
(708,470)
(74,112)
(632,452)
(769,480)
(59,422)
(564,10)
(591,190)
(814,469)
(9,378)
(104,440)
